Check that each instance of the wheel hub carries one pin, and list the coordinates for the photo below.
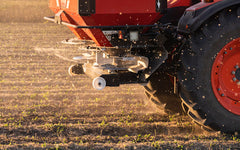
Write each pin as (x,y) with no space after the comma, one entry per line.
(225,76)
(237,74)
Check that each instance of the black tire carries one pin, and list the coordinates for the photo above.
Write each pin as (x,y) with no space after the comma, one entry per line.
(159,91)
(198,98)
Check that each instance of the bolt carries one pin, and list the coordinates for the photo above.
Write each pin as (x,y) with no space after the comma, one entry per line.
(179,37)
(233,72)
(230,48)
(236,66)
(218,89)
(222,95)
(225,52)
(234,79)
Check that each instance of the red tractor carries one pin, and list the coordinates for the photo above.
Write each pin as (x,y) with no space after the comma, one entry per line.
(186,47)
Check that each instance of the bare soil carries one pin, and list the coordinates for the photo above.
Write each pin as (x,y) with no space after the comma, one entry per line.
(24,10)
(42,107)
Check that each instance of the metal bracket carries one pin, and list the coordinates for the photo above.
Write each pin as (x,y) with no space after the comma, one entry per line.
(57,17)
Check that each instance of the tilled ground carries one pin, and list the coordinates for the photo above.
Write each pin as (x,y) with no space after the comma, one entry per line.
(42,107)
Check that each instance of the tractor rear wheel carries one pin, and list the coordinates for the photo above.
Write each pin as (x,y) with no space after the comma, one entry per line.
(160,92)
(210,75)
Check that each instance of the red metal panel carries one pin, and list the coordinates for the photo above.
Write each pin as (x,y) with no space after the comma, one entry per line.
(56,5)
(94,34)
(111,13)
(125,6)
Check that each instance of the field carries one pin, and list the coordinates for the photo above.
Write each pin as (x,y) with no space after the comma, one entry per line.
(42,107)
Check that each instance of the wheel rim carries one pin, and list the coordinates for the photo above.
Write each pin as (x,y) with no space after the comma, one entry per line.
(225,76)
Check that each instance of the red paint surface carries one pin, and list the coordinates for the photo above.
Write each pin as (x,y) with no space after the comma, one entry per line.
(225,89)
(111,13)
